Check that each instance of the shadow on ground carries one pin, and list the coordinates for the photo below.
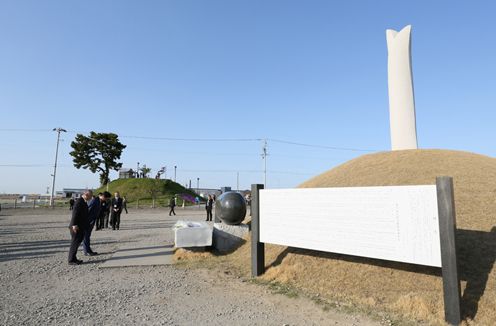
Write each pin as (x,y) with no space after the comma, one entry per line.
(39,249)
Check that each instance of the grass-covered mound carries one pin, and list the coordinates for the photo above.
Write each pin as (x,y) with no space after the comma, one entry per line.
(145,190)
(410,290)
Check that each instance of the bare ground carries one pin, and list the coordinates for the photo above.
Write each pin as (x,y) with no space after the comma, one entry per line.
(38,287)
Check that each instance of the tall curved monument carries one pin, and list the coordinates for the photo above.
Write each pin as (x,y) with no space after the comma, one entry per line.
(400,87)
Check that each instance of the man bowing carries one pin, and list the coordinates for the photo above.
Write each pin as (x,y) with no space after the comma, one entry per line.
(78,225)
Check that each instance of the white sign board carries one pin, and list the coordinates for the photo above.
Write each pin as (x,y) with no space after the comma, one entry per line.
(393,223)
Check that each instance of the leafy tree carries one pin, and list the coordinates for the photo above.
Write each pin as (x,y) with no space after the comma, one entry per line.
(144,170)
(98,152)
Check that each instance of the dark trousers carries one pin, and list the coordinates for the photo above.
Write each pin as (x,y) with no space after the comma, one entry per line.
(106,219)
(99,222)
(209,214)
(76,239)
(86,239)
(172,211)
(115,220)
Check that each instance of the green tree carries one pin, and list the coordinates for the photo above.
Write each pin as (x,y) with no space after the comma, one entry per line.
(98,152)
(145,171)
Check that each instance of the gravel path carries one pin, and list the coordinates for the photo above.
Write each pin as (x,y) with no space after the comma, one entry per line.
(38,287)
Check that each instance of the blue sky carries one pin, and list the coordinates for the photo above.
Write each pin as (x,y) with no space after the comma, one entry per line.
(312,72)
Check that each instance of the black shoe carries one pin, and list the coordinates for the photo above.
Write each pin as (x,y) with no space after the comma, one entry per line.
(76,262)
(91,253)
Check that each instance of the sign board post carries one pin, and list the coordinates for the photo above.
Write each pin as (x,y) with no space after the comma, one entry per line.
(257,247)
(447,233)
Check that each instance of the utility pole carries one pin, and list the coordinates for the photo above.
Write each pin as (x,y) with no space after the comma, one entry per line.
(175,167)
(58,130)
(264,157)
(197,185)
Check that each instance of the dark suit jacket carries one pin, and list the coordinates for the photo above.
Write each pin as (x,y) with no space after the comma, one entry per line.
(80,214)
(117,204)
(93,209)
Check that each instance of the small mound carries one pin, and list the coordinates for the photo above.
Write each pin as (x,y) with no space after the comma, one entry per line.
(474,179)
(410,290)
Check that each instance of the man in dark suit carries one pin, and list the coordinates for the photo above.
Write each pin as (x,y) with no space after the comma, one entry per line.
(79,223)
(209,206)
(116,207)
(106,213)
(172,204)
(104,205)
(94,207)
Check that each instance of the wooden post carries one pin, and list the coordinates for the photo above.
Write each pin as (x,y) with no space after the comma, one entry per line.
(447,232)
(257,247)
(15,203)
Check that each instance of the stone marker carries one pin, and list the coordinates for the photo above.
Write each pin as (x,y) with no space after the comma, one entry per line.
(192,234)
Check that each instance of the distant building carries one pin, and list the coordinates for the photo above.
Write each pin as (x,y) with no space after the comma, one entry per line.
(204,192)
(225,189)
(70,192)
(126,174)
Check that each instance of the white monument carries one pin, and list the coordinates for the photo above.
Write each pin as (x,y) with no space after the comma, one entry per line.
(400,87)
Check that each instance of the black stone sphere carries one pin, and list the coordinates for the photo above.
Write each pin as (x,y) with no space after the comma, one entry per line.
(230,208)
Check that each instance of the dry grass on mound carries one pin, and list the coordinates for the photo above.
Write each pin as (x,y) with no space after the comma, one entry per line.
(181,254)
(409,290)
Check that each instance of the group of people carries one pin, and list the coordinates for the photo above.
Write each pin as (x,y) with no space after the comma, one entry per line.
(209,205)
(112,208)
(88,211)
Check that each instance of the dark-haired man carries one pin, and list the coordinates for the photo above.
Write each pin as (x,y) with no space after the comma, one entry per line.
(104,211)
(79,223)
(94,207)
(115,216)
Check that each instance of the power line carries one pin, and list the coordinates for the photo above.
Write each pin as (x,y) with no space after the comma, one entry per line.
(33,165)
(195,139)
(247,171)
(26,130)
(322,146)
(25,165)
(282,141)
(184,139)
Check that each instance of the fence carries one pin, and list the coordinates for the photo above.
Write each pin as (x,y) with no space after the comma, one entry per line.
(30,203)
